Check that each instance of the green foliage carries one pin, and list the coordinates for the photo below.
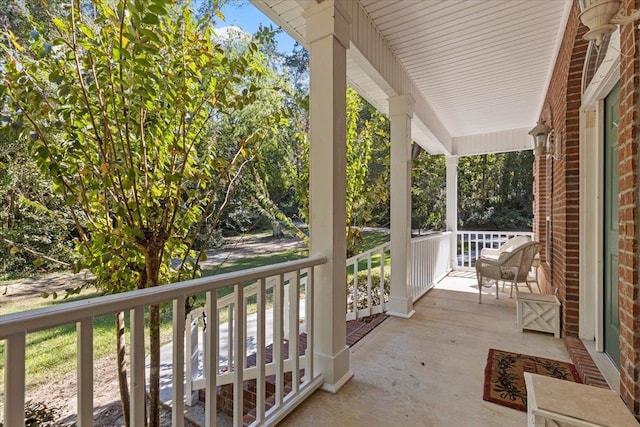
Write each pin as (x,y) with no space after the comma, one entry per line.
(428,193)
(118,112)
(495,191)
(31,216)
(363,301)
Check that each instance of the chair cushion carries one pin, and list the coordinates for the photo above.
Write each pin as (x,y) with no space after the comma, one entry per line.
(507,273)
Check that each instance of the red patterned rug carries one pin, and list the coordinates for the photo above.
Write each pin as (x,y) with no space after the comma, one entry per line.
(504,376)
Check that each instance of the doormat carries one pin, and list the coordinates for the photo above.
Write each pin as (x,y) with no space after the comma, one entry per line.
(504,376)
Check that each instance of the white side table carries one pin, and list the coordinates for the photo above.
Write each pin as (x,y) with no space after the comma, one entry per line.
(538,312)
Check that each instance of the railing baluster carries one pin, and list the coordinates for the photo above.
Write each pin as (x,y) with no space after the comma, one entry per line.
(260,352)
(381,284)
(230,334)
(430,260)
(278,355)
(211,359)
(294,330)
(355,287)
(177,409)
(239,354)
(287,310)
(85,372)
(138,386)
(309,323)
(369,297)
(468,250)
(14,380)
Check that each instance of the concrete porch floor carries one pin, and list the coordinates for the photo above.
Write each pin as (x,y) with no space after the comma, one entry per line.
(429,370)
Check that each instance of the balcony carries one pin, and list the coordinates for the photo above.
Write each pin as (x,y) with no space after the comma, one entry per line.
(414,369)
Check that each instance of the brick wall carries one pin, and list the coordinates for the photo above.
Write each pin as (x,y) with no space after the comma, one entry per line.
(557,192)
(557,180)
(628,284)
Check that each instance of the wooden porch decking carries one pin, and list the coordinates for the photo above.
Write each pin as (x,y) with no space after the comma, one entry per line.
(429,370)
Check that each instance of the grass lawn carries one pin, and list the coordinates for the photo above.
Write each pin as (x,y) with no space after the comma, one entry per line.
(50,354)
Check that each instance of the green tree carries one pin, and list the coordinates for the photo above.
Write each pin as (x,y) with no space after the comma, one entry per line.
(428,193)
(496,191)
(32,222)
(117,110)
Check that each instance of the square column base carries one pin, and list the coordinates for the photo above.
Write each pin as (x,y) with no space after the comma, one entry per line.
(400,307)
(335,370)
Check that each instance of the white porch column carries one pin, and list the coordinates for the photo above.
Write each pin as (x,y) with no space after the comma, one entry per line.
(400,114)
(328,38)
(452,207)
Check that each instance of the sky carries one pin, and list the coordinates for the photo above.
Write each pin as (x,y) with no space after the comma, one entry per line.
(246,16)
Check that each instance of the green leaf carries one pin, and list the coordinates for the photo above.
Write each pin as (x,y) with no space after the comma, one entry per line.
(61,25)
(151,19)
(157,9)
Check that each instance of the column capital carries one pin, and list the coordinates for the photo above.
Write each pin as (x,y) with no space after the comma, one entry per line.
(451,160)
(328,18)
(400,105)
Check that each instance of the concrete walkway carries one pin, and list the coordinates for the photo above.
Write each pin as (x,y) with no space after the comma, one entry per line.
(429,370)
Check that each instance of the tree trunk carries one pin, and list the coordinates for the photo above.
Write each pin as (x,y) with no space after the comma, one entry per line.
(122,369)
(154,369)
(152,263)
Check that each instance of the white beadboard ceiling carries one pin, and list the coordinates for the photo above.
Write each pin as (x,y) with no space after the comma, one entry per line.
(482,65)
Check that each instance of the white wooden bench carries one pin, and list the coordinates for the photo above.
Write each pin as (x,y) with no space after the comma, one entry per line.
(555,402)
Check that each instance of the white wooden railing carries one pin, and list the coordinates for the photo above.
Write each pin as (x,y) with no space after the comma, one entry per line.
(294,323)
(430,261)
(470,243)
(366,295)
(14,327)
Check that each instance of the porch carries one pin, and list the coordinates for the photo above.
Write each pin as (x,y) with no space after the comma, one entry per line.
(450,333)
(429,370)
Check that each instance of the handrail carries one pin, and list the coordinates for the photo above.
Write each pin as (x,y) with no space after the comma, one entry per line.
(366,254)
(431,236)
(70,312)
(494,232)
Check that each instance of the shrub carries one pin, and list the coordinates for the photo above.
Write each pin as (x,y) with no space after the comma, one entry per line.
(362,289)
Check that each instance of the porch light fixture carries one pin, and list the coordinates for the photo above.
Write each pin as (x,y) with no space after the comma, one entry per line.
(545,142)
(602,17)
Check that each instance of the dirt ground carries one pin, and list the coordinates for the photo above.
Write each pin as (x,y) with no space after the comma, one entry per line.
(61,392)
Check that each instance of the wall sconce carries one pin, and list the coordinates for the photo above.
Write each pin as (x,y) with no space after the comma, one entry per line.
(545,141)
(602,18)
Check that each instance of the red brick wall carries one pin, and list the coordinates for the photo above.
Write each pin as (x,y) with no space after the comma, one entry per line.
(561,176)
(628,285)
(557,192)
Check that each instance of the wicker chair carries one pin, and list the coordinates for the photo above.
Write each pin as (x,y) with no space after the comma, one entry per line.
(512,267)
(507,246)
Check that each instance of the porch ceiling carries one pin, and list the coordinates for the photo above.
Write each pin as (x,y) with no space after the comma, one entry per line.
(482,67)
